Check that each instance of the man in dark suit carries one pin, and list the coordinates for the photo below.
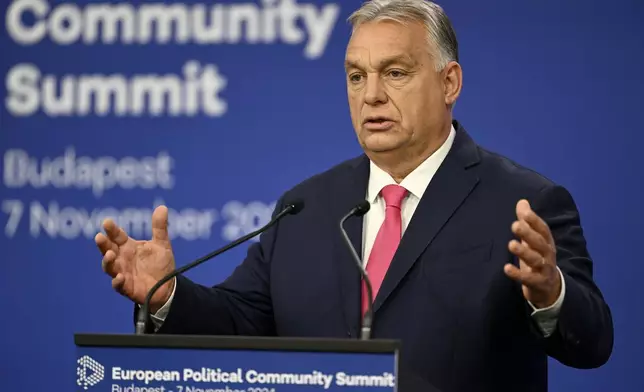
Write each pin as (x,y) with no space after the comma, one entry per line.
(478,264)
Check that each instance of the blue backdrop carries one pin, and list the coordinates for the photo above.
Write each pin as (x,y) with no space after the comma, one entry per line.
(216,108)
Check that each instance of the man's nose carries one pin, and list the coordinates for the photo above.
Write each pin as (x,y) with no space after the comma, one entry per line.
(374,91)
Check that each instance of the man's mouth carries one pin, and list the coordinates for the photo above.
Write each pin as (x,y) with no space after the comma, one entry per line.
(378,123)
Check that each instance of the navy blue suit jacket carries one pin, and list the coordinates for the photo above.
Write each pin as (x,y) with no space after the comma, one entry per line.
(464,325)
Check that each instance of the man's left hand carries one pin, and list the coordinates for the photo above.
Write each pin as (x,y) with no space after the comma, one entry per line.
(537,270)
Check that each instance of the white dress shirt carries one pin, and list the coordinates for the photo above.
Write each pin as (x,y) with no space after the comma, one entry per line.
(415,183)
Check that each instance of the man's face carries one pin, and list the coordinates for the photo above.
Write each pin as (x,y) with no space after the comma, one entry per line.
(396,98)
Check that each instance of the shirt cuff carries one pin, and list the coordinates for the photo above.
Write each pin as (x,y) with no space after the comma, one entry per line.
(159,317)
(547,318)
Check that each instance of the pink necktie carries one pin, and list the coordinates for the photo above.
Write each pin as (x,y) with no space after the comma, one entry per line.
(386,241)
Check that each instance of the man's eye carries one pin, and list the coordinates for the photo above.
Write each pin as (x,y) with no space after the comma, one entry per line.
(355,77)
(396,73)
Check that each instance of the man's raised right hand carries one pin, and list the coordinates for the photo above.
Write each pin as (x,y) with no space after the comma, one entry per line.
(135,266)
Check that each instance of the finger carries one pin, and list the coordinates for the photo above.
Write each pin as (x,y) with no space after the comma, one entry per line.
(160,224)
(534,239)
(115,233)
(527,254)
(525,212)
(108,263)
(104,244)
(118,283)
(524,277)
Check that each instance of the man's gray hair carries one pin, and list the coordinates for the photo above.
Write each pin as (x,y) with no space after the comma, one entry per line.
(441,34)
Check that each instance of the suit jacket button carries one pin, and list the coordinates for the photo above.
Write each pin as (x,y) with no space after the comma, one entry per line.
(573,339)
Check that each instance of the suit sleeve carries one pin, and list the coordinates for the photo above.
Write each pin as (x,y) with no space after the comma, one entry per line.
(583,336)
(241,305)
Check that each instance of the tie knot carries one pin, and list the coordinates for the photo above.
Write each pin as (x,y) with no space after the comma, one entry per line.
(393,195)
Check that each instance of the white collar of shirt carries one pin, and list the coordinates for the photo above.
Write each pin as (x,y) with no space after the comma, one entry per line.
(417,181)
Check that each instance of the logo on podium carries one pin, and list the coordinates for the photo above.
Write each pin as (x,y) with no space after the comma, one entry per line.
(89,372)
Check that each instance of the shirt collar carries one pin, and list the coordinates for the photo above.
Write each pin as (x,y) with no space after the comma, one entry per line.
(417,181)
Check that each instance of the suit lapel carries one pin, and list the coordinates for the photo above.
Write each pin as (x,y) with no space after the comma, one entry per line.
(347,194)
(448,189)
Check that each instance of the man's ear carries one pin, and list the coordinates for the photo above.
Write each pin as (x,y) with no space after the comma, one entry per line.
(452,82)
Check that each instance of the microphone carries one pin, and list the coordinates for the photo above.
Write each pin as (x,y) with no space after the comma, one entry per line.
(359,210)
(291,208)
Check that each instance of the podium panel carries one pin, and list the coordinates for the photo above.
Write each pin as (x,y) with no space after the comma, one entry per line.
(177,363)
